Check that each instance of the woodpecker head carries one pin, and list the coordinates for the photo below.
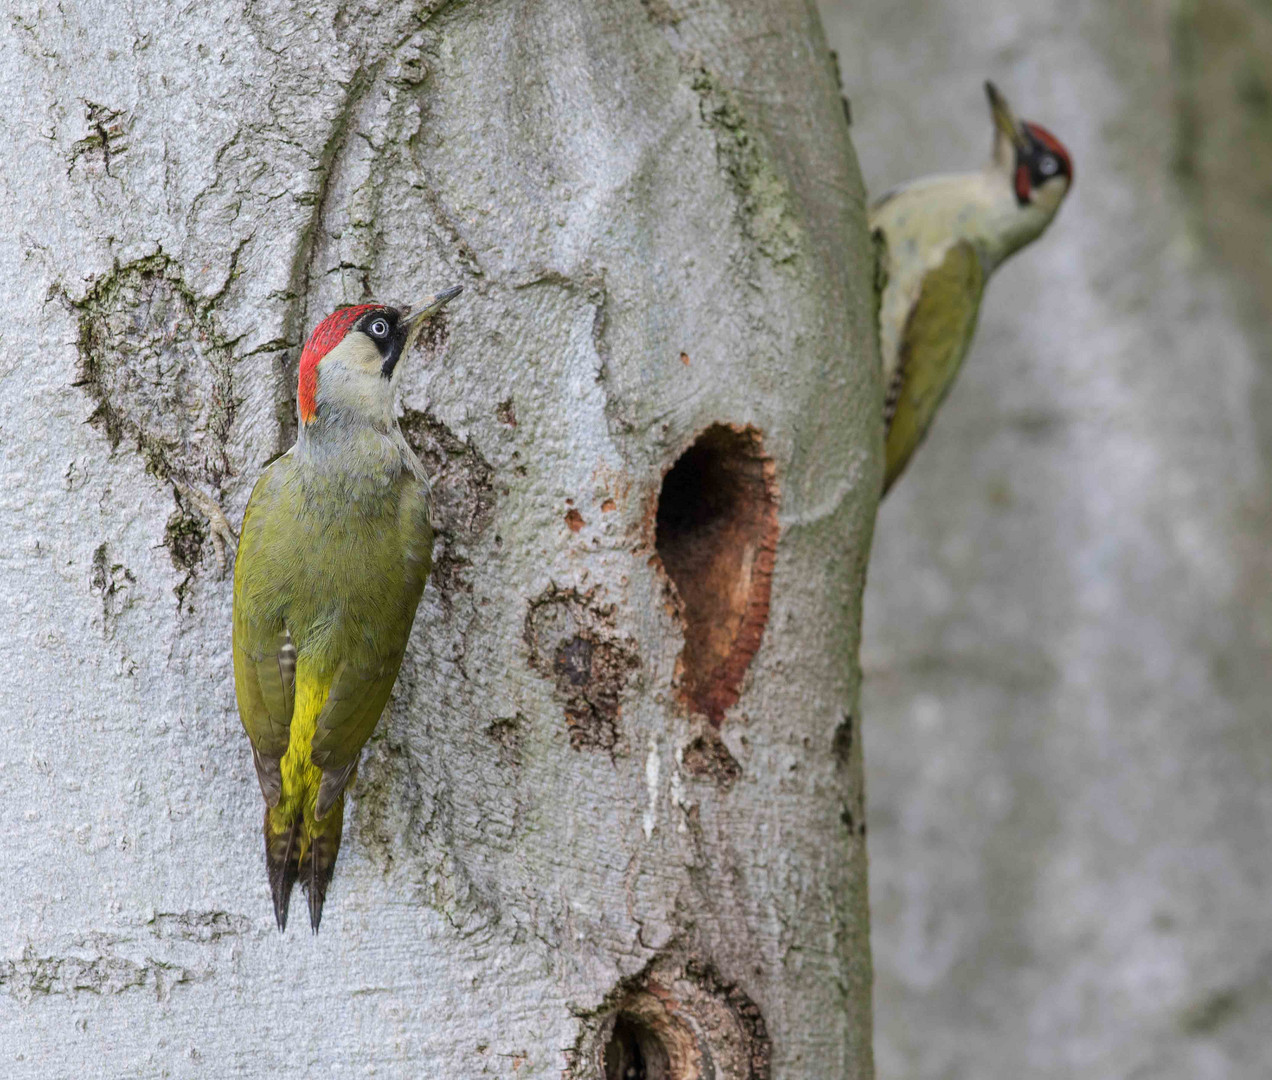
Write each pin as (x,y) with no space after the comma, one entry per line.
(349,366)
(1039,167)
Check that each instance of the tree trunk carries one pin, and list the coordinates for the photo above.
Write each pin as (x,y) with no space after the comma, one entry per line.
(612,818)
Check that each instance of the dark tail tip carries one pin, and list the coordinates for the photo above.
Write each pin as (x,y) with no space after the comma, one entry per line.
(319,863)
(282,865)
(317,897)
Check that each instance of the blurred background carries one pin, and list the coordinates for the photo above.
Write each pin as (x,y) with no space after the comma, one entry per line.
(1069,616)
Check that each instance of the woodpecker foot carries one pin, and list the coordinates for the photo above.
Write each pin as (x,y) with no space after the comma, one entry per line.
(222,532)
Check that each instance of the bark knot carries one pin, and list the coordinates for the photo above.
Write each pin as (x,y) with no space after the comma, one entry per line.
(574,641)
(678,1019)
(160,375)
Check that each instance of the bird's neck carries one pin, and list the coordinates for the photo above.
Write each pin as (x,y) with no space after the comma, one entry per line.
(1008,226)
(336,446)
(980,208)
(1013,227)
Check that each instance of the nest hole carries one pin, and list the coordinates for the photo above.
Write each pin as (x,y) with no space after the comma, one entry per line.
(716,535)
(677,1020)
(635,1052)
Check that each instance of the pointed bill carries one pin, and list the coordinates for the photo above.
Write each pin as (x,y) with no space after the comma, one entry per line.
(1004,118)
(416,320)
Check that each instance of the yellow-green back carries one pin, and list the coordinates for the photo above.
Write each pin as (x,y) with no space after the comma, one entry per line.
(328,576)
(933,342)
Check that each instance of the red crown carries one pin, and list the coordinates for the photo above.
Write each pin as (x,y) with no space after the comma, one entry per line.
(326,336)
(1054,145)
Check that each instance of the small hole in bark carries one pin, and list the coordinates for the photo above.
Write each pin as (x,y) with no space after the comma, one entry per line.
(635,1052)
(676,1020)
(716,535)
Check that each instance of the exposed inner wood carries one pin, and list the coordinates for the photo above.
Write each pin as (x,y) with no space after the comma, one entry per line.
(717,539)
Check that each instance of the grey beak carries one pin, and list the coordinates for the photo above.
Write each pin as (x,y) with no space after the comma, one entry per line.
(1004,118)
(432,307)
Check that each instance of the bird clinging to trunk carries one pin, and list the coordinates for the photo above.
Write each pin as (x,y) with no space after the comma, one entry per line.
(942,237)
(336,545)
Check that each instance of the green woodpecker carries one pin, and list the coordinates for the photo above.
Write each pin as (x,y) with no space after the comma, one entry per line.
(944,236)
(336,545)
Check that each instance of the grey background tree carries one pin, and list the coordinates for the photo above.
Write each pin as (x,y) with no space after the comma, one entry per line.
(604,809)
(1067,645)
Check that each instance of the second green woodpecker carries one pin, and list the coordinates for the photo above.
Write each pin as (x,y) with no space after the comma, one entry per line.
(943,236)
(336,545)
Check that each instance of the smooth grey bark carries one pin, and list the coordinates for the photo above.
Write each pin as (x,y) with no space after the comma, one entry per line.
(1067,624)
(570,829)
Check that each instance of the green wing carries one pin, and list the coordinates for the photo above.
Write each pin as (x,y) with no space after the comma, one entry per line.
(933,344)
(362,684)
(264,654)
(353,708)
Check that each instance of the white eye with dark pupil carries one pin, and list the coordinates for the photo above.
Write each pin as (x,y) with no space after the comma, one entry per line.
(1047,166)
(380,328)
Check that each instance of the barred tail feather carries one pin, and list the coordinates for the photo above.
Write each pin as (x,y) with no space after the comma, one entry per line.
(282,863)
(319,861)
